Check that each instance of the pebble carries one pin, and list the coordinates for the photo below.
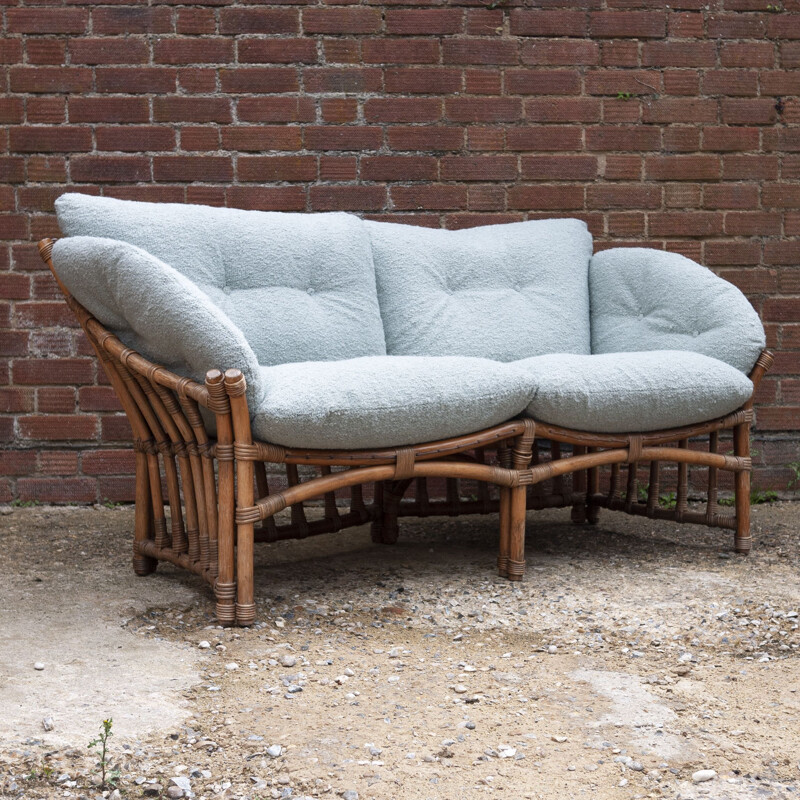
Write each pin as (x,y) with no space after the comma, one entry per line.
(174,793)
(48,724)
(38,666)
(274,750)
(460,689)
(559,738)
(231,665)
(552,649)
(506,751)
(350,794)
(204,645)
(288,661)
(703,775)
(182,783)
(636,766)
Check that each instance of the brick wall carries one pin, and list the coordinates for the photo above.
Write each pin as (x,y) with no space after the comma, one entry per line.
(676,128)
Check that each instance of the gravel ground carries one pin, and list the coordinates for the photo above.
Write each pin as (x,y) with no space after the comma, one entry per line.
(634,655)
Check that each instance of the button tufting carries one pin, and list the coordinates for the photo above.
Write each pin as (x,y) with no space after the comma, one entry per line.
(226,289)
(310,290)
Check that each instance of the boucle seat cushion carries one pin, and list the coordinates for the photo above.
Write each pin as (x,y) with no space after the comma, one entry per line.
(645,299)
(632,392)
(300,287)
(154,309)
(499,291)
(386,401)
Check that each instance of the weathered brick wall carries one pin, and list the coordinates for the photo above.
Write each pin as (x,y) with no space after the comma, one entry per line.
(676,128)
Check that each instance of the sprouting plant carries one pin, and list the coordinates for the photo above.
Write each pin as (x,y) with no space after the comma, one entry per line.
(774,8)
(794,466)
(25,503)
(668,500)
(726,501)
(110,503)
(624,95)
(643,491)
(757,496)
(101,742)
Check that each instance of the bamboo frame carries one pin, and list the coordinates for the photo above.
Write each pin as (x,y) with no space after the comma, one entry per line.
(217,492)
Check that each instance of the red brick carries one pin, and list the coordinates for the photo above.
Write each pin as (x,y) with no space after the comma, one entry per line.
(108,51)
(196,21)
(347,198)
(541,197)
(12,110)
(98,398)
(740,253)
(403,109)
(484,22)
(205,50)
(399,168)
(17,462)
(731,82)
(14,343)
(259,20)
(58,427)
(63,490)
(277,51)
(338,168)
(58,462)
(108,109)
(759,111)
(731,196)
(400,51)
(136,80)
(736,26)
(131,19)
(479,109)
(51,79)
(679,54)
(268,169)
(562,109)
(42,139)
(191,109)
(276,109)
(41,51)
(544,138)
(637,24)
(419,21)
(749,167)
(680,110)
(479,51)
(355,137)
(747,54)
(46,20)
(612,82)
(426,137)
(749,223)
(560,52)
(115,169)
(559,168)
(685,25)
(548,23)
(258,79)
(14,400)
(623,196)
(682,168)
(350,80)
(207,169)
(423,80)
(55,400)
(339,109)
(341,20)
(108,462)
(677,223)
(135,138)
(623,138)
(479,168)
(433,197)
(526,81)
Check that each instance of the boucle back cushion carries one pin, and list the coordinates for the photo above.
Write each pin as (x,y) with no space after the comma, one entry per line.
(386,401)
(154,309)
(632,392)
(301,287)
(501,291)
(645,299)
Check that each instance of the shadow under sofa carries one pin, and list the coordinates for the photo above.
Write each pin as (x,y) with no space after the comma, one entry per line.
(368,354)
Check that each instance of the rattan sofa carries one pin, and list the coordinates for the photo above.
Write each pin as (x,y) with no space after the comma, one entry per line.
(304,355)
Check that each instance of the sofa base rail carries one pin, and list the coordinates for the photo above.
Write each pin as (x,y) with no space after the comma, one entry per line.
(218,493)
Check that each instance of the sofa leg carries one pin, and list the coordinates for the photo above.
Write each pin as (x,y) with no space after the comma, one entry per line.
(385,528)
(516,548)
(741,447)
(143,520)
(505,532)
(578,513)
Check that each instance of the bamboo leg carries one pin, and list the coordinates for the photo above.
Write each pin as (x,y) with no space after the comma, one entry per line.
(235,386)
(143,529)
(505,532)
(741,448)
(579,486)
(224,586)
(516,550)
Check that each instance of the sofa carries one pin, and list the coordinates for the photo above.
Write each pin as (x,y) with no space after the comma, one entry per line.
(268,360)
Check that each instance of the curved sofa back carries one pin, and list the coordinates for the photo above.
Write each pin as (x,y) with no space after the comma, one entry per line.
(300,287)
(644,299)
(498,291)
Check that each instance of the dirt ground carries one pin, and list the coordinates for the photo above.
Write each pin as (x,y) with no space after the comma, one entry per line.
(634,654)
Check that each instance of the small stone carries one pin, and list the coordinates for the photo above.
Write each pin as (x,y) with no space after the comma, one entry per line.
(288,660)
(506,751)
(636,766)
(350,794)
(460,689)
(552,649)
(38,666)
(274,750)
(293,688)
(174,793)
(231,665)
(703,775)
(349,672)
(182,783)
(204,645)
(48,724)
(470,726)
(559,739)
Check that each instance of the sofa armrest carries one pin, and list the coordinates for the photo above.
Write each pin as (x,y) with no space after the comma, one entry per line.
(154,309)
(645,299)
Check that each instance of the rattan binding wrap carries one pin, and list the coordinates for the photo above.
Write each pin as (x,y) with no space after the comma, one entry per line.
(220,500)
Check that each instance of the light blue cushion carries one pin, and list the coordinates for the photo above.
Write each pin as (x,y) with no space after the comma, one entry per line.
(632,392)
(154,309)
(301,287)
(386,401)
(501,291)
(644,299)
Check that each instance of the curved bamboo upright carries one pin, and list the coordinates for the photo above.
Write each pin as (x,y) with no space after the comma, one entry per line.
(202,503)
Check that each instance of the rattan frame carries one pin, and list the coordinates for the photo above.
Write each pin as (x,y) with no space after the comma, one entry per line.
(218,490)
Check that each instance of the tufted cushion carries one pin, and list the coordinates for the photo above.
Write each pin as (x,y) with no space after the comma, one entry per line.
(501,291)
(300,287)
(153,308)
(386,401)
(632,392)
(645,299)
